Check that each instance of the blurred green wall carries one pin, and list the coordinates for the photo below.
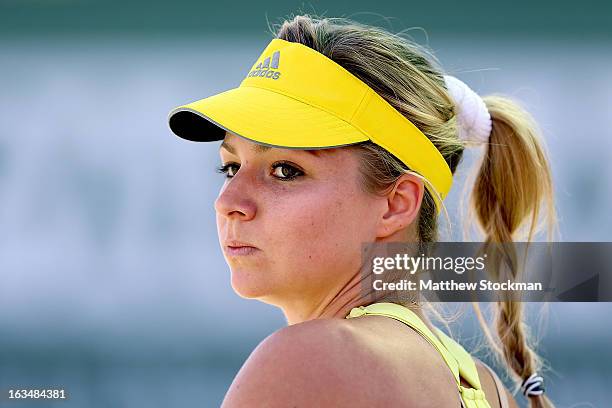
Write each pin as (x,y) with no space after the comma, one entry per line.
(509,18)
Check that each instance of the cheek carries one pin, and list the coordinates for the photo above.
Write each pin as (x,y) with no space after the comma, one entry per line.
(323,229)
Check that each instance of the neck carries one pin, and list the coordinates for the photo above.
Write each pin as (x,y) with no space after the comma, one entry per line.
(337,302)
(334,304)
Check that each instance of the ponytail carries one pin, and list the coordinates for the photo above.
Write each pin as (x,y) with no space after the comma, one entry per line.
(513,189)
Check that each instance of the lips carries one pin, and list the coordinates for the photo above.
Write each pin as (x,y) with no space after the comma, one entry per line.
(234,248)
(232,243)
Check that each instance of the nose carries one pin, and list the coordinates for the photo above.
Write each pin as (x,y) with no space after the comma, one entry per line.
(235,200)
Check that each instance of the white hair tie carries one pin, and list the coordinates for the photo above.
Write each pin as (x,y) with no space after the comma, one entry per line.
(473,116)
(533,385)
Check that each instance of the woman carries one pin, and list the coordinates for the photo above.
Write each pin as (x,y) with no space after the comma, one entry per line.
(342,134)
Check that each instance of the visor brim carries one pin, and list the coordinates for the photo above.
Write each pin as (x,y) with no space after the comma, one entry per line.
(263,116)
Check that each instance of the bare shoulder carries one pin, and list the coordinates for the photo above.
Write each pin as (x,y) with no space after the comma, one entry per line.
(488,379)
(337,362)
(295,366)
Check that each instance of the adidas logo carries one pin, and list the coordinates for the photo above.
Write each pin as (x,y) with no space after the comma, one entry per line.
(265,69)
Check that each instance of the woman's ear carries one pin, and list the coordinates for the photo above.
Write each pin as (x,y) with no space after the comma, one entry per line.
(403,205)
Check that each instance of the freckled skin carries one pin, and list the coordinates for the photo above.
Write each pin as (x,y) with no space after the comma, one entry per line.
(309,230)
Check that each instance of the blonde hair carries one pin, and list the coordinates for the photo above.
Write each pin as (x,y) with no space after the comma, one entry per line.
(410,78)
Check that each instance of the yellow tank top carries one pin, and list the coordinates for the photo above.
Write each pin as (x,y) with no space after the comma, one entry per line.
(456,357)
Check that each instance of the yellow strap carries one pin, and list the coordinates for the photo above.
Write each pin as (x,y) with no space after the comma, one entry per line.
(467,367)
(473,398)
(456,357)
(407,316)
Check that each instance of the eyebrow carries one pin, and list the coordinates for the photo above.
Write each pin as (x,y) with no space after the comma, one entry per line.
(260,148)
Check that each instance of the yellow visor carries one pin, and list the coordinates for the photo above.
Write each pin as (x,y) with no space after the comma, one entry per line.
(295,97)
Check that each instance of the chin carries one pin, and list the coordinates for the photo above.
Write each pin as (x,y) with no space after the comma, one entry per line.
(249,284)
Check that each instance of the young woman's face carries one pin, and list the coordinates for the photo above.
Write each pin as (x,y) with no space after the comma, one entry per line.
(303,214)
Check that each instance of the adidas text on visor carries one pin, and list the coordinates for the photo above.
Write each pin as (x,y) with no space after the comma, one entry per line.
(295,97)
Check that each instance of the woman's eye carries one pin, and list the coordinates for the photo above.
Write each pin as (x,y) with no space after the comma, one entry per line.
(228,169)
(285,171)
